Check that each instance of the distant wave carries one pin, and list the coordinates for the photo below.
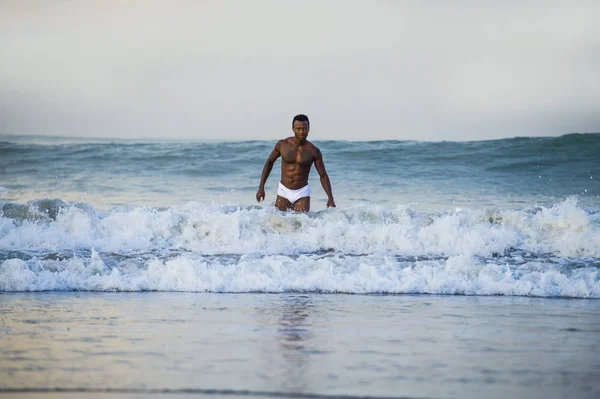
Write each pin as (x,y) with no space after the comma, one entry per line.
(432,160)
(60,140)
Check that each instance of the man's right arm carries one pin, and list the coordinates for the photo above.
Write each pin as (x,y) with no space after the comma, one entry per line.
(260,194)
(320,166)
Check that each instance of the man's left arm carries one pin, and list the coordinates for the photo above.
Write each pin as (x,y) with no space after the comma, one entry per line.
(320,166)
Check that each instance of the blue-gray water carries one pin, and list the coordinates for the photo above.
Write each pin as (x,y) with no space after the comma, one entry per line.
(510,173)
(511,217)
(503,236)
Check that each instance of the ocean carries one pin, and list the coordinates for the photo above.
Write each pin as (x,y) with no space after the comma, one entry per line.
(448,269)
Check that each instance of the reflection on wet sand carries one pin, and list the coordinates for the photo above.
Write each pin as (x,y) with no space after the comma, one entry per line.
(289,352)
(293,333)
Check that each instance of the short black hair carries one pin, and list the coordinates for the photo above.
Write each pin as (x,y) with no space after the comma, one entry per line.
(300,118)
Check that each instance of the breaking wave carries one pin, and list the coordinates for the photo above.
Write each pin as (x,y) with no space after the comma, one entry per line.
(50,244)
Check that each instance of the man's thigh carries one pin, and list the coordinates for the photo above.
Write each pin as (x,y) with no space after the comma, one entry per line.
(302,205)
(283,204)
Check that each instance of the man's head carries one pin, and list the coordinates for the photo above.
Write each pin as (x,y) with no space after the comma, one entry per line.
(301,127)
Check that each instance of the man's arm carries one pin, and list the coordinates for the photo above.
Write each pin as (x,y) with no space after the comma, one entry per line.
(260,194)
(320,166)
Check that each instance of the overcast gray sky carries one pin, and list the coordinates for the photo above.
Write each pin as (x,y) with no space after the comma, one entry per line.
(361,70)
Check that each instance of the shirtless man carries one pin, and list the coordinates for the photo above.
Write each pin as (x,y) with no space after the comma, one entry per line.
(297,156)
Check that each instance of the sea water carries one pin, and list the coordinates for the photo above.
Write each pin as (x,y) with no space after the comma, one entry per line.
(516,218)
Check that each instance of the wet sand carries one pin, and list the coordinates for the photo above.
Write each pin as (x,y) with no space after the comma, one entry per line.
(129,345)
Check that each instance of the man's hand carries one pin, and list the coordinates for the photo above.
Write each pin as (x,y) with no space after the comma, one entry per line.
(260,195)
(330,203)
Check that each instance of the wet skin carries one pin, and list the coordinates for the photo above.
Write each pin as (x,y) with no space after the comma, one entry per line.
(297,157)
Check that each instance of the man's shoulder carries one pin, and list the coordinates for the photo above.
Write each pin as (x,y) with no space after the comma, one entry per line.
(282,142)
(312,146)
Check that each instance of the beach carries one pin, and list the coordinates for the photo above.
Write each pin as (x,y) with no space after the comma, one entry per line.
(313,344)
(299,200)
(448,270)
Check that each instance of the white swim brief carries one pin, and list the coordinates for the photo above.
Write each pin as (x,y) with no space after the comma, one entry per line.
(293,195)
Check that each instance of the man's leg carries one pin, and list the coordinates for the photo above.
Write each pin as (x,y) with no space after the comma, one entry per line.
(283,204)
(302,205)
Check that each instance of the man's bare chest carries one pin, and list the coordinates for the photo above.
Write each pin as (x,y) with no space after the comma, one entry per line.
(296,155)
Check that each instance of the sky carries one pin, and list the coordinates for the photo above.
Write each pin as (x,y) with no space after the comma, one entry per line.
(240,70)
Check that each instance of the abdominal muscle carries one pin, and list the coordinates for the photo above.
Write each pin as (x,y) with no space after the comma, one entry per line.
(294,176)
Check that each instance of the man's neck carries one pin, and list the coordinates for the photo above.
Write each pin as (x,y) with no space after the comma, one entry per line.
(298,142)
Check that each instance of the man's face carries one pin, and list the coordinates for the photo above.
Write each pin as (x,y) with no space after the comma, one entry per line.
(301,129)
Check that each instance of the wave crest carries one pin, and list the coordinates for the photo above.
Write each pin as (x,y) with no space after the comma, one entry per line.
(540,251)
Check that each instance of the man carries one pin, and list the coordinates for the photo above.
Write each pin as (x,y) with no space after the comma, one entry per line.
(297,156)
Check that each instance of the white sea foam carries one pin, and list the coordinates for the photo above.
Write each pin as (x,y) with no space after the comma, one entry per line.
(564,230)
(307,273)
(367,249)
